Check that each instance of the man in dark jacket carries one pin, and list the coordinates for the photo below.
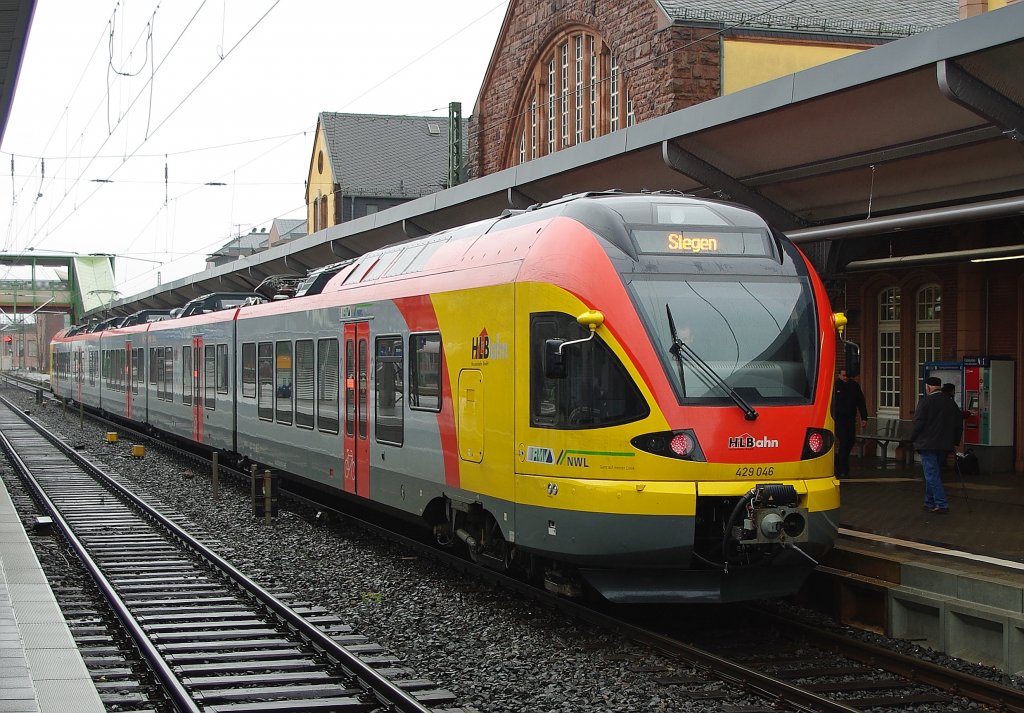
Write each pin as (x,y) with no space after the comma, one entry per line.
(938,425)
(849,399)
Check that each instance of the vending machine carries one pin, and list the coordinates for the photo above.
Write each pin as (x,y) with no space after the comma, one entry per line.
(950,372)
(988,411)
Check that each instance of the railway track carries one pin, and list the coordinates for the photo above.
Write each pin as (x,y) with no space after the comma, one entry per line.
(213,639)
(815,671)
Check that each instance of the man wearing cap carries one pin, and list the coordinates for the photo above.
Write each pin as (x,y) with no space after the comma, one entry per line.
(938,425)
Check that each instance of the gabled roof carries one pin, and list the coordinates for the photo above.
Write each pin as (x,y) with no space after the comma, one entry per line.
(243,245)
(377,155)
(862,18)
(290,228)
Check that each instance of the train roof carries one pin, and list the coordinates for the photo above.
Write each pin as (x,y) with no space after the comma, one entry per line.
(606,213)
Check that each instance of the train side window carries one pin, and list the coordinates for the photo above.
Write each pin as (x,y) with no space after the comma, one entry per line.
(425,372)
(283,383)
(304,386)
(152,365)
(389,425)
(210,372)
(265,370)
(223,369)
(186,375)
(327,385)
(138,369)
(158,372)
(597,390)
(249,370)
(168,374)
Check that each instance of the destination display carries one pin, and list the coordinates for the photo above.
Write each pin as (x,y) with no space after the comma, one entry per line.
(675,241)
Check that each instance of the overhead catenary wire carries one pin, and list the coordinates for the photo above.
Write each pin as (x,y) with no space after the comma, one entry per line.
(631,70)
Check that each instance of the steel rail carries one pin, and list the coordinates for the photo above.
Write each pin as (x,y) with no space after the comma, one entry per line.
(175,690)
(387,692)
(759,683)
(1003,698)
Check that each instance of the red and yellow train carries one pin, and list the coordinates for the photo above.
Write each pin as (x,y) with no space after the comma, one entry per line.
(629,392)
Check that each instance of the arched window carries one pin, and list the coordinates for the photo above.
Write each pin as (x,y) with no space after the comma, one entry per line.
(316,215)
(575,92)
(929,343)
(889,313)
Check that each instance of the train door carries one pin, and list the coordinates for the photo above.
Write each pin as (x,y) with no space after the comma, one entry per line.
(128,378)
(197,389)
(357,408)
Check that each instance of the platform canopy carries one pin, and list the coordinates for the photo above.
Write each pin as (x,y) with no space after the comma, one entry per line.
(926,130)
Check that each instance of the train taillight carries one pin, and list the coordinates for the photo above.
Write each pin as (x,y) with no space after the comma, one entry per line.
(681,444)
(672,444)
(817,442)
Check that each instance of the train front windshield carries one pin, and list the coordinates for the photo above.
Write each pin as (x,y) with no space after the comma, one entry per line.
(755,335)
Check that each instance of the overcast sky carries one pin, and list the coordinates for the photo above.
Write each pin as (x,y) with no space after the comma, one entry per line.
(112,94)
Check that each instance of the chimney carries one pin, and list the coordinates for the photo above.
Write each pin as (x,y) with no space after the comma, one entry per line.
(970,8)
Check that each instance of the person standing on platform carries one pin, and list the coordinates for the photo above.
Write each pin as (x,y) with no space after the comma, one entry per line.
(938,426)
(848,401)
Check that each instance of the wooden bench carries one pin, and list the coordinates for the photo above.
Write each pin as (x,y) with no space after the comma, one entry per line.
(883,431)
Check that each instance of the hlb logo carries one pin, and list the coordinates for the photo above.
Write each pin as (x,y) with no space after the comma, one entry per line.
(481,346)
(748,441)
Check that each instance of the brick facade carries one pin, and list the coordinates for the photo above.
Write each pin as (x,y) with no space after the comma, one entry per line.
(664,69)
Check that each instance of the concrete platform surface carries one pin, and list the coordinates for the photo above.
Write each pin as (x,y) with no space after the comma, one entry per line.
(41,669)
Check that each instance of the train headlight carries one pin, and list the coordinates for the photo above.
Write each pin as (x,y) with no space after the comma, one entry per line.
(681,444)
(817,442)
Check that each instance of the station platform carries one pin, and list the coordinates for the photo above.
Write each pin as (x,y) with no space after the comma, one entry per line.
(951,582)
(986,511)
(41,669)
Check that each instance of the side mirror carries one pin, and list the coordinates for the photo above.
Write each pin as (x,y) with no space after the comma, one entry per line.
(554,360)
(852,359)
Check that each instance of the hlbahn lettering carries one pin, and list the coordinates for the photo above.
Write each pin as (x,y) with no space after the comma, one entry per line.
(748,441)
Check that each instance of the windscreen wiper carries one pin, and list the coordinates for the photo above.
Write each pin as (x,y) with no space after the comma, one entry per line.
(680,348)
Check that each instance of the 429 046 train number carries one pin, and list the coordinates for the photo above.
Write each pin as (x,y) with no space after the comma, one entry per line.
(755,471)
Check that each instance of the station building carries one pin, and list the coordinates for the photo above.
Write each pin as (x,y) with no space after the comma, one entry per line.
(565,72)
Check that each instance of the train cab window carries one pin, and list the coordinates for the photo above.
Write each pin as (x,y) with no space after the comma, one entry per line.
(304,386)
(597,390)
(186,375)
(223,369)
(327,385)
(283,383)
(425,372)
(265,373)
(249,370)
(210,374)
(389,425)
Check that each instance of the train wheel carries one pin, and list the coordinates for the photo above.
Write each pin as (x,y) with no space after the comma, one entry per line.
(492,550)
